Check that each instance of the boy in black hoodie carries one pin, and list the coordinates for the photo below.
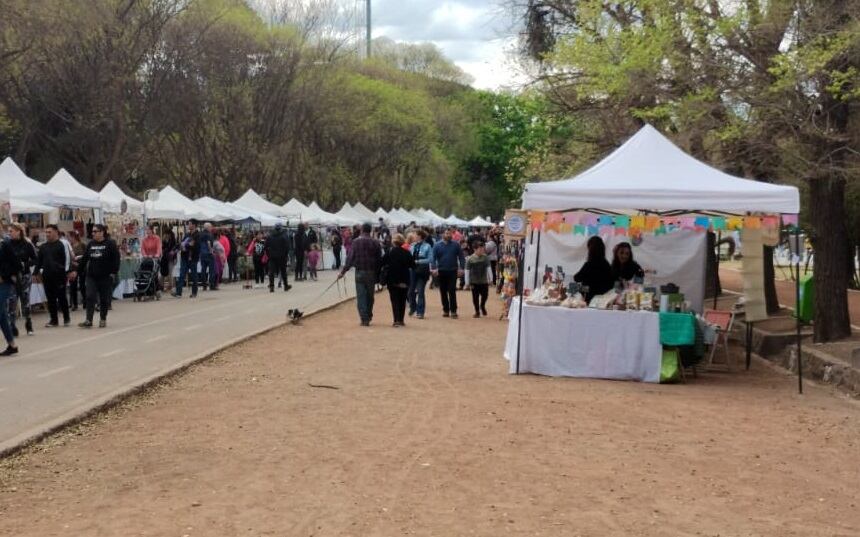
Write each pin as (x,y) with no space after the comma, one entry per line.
(102,261)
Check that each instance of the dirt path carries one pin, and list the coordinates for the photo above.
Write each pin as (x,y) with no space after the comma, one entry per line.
(428,435)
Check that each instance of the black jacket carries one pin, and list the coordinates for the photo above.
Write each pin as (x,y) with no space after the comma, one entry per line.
(25,252)
(597,275)
(10,266)
(397,263)
(101,259)
(278,244)
(51,259)
(300,241)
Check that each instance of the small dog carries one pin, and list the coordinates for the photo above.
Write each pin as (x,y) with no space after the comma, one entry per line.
(294,315)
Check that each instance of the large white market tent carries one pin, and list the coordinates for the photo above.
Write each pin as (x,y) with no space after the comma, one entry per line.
(24,188)
(296,211)
(480,222)
(63,183)
(349,213)
(256,202)
(365,213)
(399,217)
(172,205)
(381,213)
(433,218)
(112,197)
(649,172)
(454,220)
(20,206)
(224,211)
(329,219)
(265,219)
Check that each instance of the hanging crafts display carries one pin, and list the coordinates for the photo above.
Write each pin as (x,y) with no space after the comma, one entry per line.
(588,224)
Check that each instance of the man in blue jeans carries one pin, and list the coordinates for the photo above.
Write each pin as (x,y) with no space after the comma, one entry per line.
(207,258)
(366,257)
(448,263)
(189,256)
(421,253)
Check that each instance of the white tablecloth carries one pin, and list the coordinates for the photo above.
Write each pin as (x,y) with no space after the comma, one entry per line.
(563,342)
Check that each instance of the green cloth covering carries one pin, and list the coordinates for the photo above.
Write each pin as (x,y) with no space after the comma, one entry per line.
(669,371)
(127,268)
(677,329)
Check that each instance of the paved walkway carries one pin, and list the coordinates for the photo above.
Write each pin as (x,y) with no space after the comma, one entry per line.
(63,372)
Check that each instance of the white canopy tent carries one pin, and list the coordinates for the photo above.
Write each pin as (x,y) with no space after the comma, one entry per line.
(265,219)
(19,206)
(63,183)
(349,213)
(329,219)
(649,172)
(112,196)
(224,210)
(172,205)
(296,211)
(432,218)
(382,213)
(256,202)
(453,220)
(366,214)
(399,217)
(480,222)
(24,188)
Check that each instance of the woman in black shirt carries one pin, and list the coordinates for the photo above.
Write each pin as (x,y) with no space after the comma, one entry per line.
(596,273)
(623,267)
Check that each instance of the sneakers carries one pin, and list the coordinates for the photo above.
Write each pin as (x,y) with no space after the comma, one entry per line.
(67,322)
(476,315)
(365,323)
(175,295)
(411,313)
(193,295)
(287,288)
(484,311)
(10,350)
(272,289)
(445,314)
(102,323)
(28,326)
(420,315)
(86,324)
(51,325)
(455,316)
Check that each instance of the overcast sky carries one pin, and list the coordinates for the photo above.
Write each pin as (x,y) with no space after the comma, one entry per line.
(476,34)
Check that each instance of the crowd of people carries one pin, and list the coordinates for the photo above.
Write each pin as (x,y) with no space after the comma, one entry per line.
(413,257)
(76,271)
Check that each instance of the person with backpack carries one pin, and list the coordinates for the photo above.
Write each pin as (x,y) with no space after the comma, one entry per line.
(102,266)
(278,250)
(257,251)
(189,256)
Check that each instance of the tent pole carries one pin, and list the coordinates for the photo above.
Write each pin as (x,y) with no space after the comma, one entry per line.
(717,268)
(537,260)
(521,284)
(797,309)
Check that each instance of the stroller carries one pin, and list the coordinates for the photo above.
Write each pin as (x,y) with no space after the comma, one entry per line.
(146,286)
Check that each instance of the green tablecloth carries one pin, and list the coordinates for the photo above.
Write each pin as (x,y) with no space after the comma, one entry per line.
(127,266)
(677,329)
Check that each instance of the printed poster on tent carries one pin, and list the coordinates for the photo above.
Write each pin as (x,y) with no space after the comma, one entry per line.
(516,224)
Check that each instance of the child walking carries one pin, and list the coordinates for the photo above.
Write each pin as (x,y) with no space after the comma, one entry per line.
(313,260)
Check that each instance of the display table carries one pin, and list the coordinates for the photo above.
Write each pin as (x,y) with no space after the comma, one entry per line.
(587,343)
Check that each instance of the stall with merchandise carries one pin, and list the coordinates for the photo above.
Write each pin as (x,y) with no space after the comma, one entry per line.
(657,201)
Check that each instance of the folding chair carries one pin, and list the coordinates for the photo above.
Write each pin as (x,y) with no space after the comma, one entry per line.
(721,322)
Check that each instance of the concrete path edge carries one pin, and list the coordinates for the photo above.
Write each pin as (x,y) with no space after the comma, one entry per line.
(98,406)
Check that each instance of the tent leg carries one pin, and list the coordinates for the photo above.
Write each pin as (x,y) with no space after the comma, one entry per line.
(797,311)
(749,344)
(521,272)
(537,261)
(717,268)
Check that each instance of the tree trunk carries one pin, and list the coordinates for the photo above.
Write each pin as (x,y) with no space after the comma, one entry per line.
(830,276)
(771,299)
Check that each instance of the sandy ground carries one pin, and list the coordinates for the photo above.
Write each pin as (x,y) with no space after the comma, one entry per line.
(428,435)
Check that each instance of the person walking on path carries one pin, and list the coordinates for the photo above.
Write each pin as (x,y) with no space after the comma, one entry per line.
(232,254)
(492,250)
(447,264)
(220,257)
(313,260)
(398,264)
(53,267)
(277,250)
(189,256)
(10,273)
(207,257)
(478,269)
(76,285)
(421,254)
(26,254)
(300,244)
(336,242)
(168,257)
(102,265)
(365,256)
(257,251)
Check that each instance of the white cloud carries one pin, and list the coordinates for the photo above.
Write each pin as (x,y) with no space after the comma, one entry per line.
(472,33)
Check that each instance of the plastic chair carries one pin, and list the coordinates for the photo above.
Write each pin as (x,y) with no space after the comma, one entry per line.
(722,322)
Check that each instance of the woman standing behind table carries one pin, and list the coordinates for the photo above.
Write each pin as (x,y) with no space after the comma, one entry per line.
(596,273)
(624,269)
(398,262)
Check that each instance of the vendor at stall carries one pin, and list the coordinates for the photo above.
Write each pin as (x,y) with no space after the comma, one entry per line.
(624,268)
(596,274)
